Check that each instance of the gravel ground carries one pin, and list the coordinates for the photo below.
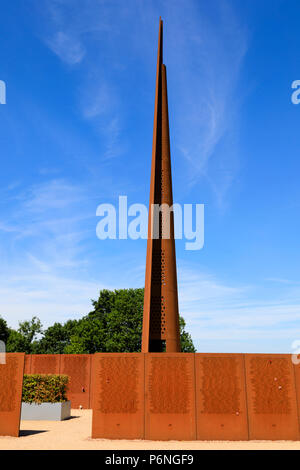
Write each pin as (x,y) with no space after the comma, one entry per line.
(75,434)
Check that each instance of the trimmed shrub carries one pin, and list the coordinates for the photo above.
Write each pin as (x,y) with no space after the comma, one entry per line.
(40,388)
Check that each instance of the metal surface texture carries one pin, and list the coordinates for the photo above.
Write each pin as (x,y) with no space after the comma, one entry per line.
(78,368)
(11,383)
(170,396)
(296,362)
(118,396)
(45,363)
(161,316)
(27,368)
(221,402)
(271,391)
(167,396)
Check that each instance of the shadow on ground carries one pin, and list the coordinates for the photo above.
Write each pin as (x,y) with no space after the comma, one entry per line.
(30,432)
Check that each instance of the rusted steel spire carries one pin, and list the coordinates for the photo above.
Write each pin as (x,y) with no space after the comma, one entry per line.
(161,316)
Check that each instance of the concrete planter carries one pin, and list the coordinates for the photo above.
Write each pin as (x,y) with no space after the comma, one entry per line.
(46,411)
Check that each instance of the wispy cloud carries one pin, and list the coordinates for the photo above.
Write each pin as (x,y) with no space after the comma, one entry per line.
(67,47)
(68,25)
(72,29)
(48,217)
(211,53)
(226,318)
(51,297)
(99,105)
(204,55)
(282,281)
(54,194)
(98,102)
(47,272)
(44,244)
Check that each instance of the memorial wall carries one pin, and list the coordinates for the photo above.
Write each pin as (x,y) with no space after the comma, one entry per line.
(76,366)
(11,383)
(182,396)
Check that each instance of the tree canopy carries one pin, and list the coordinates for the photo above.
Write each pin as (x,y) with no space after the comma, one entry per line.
(4,330)
(25,338)
(114,325)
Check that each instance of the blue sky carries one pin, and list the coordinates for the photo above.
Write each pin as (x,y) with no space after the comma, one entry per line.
(77,131)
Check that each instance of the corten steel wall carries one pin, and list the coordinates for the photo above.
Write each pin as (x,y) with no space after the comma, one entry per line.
(183,396)
(196,396)
(45,363)
(221,404)
(118,396)
(272,402)
(27,367)
(297,381)
(170,396)
(76,366)
(11,382)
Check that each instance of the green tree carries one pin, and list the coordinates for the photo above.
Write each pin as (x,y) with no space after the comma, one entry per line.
(88,337)
(115,325)
(185,338)
(16,342)
(25,338)
(4,331)
(56,338)
(30,329)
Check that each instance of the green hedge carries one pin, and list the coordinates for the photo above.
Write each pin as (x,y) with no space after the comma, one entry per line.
(38,388)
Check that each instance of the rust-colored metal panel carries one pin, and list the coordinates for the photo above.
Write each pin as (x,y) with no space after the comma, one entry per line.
(221,405)
(45,363)
(271,392)
(91,382)
(11,383)
(118,395)
(161,313)
(27,368)
(170,396)
(78,368)
(296,362)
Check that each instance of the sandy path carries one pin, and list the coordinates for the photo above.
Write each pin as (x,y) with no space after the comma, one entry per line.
(75,434)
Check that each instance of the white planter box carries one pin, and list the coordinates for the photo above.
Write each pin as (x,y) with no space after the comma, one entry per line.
(46,411)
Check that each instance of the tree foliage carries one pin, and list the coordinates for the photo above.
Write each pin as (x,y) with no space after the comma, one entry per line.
(56,338)
(4,330)
(114,325)
(25,338)
(16,342)
(30,329)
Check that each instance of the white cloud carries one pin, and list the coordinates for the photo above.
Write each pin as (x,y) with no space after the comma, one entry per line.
(44,272)
(55,194)
(50,297)
(211,54)
(68,48)
(50,277)
(4,227)
(223,318)
(69,25)
(51,218)
(97,100)
(99,105)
